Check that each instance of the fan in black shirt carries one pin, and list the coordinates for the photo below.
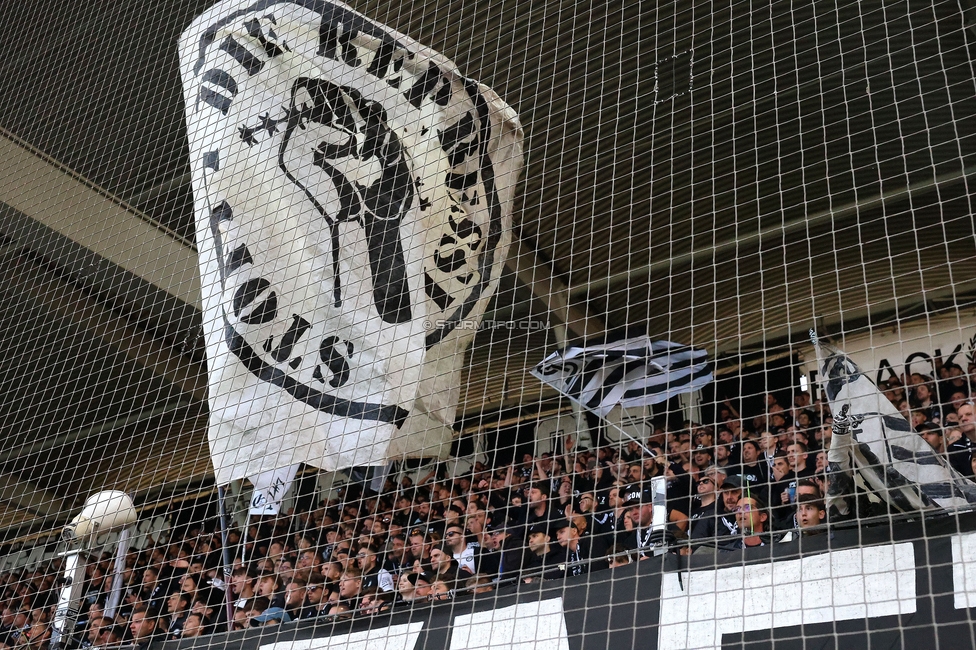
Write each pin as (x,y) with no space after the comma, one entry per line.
(753,471)
(797,457)
(726,526)
(544,556)
(782,492)
(706,507)
(578,550)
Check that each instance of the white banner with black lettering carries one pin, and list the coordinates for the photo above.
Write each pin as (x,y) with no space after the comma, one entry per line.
(913,347)
(270,489)
(353,197)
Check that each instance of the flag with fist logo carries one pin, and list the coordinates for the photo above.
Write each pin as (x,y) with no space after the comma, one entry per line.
(353,195)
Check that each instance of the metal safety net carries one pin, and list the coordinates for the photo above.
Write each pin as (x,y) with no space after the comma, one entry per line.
(505,324)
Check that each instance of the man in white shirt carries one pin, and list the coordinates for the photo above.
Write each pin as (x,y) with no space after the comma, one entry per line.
(463,551)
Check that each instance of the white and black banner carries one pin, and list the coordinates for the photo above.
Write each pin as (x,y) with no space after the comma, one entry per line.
(269,490)
(353,198)
(633,373)
(912,346)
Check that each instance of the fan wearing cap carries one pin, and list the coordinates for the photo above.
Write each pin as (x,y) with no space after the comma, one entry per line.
(543,555)
(506,555)
(578,550)
(272,616)
(706,507)
(731,491)
(702,457)
(443,566)
(640,508)
(932,434)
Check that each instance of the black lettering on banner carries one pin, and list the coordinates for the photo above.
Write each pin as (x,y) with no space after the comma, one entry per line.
(400,55)
(211,160)
(333,356)
(952,357)
(247,293)
(288,340)
(219,214)
(242,55)
(436,293)
(238,258)
(466,229)
(917,355)
(219,100)
(461,182)
(482,180)
(432,84)
(335,42)
(275,488)
(381,62)
(266,36)
(460,140)
(840,372)
(882,367)
(451,262)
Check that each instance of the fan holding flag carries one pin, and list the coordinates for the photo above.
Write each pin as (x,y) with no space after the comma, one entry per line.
(634,372)
(872,437)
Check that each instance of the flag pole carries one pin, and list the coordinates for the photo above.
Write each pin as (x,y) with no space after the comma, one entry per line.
(225,552)
(618,428)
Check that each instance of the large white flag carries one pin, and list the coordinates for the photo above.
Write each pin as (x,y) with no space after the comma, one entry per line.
(353,197)
(893,460)
(633,372)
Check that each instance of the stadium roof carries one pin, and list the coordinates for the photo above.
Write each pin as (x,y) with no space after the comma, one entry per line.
(716,175)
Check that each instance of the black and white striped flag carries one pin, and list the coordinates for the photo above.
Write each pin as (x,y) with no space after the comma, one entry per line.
(633,372)
(891,458)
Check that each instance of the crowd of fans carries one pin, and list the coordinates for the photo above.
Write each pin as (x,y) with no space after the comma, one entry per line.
(744,482)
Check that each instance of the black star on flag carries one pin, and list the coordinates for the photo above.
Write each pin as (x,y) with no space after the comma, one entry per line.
(271,126)
(247,135)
